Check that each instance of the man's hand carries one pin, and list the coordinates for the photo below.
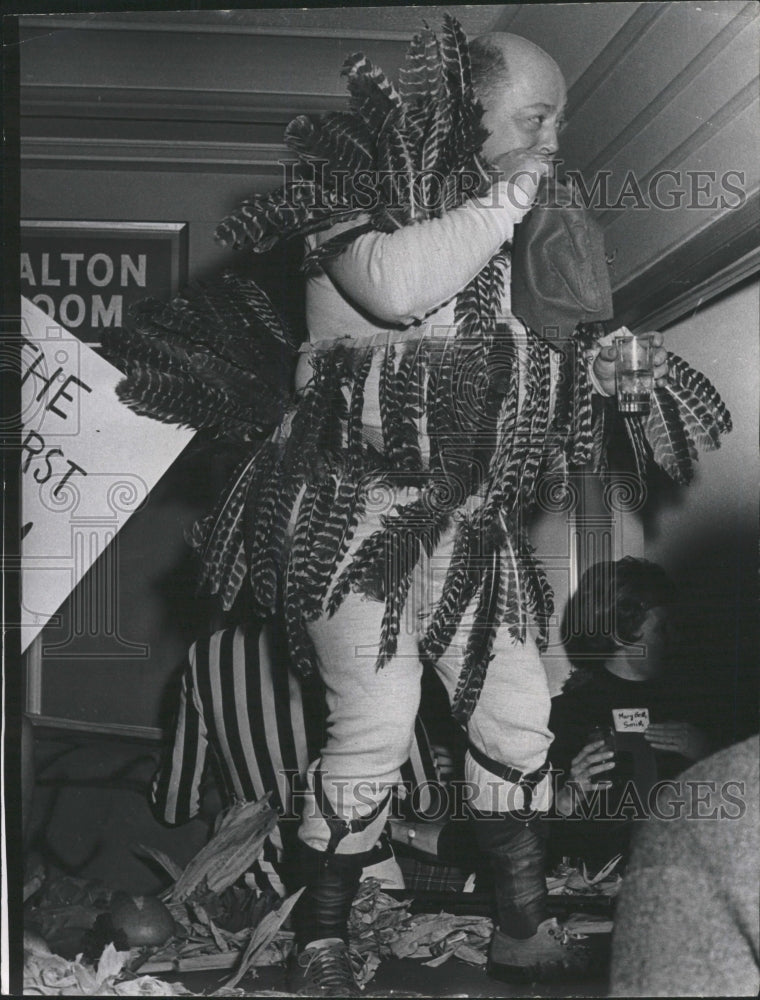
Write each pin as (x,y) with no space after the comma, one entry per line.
(604,364)
(677,737)
(523,168)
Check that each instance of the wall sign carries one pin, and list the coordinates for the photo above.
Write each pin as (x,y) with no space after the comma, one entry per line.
(87,463)
(86,275)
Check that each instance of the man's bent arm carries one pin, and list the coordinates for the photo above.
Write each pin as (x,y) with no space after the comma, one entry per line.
(400,277)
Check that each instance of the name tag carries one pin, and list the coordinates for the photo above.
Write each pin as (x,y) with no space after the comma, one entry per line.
(630,720)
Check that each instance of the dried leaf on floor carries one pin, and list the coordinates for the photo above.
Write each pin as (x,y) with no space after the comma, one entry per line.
(263,935)
(51,975)
(382,927)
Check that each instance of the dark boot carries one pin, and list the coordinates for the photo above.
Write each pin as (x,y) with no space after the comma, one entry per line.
(552,954)
(324,969)
(527,946)
(516,854)
(331,881)
(322,966)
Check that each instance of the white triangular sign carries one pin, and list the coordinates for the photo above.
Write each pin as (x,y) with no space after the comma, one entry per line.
(87,463)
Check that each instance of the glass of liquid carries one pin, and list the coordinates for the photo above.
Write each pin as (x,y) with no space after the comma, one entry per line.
(634,371)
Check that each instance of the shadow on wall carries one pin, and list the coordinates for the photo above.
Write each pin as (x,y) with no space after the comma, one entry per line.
(717,576)
(706,534)
(91,813)
(714,561)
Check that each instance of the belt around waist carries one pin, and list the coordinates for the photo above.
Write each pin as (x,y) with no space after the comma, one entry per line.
(381,339)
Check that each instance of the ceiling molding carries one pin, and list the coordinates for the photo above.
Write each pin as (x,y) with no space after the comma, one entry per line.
(638,24)
(697,270)
(216,63)
(152,154)
(677,86)
(336,26)
(46,22)
(506,19)
(722,117)
(688,302)
(162,104)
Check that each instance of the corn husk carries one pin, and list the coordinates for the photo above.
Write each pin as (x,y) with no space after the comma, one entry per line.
(230,852)
(262,935)
(51,975)
(380,927)
(168,864)
(584,923)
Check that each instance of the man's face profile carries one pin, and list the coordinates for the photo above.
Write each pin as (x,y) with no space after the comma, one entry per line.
(523,108)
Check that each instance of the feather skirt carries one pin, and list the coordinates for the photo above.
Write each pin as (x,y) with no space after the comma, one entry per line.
(296,507)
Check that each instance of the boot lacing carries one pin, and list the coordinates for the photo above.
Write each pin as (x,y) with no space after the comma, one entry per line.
(329,967)
(565,935)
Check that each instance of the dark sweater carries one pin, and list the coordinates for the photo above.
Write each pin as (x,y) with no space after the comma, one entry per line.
(575,713)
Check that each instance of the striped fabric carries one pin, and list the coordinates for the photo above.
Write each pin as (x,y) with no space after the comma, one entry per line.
(239,699)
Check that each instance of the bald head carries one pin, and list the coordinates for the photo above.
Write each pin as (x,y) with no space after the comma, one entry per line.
(500,57)
(522,90)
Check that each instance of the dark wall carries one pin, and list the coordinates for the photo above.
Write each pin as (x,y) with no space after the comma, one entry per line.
(156,158)
(86,677)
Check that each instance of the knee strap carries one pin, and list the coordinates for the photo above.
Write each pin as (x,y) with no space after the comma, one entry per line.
(338,827)
(528,781)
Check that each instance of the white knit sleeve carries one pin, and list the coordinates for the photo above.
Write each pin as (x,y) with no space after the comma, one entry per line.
(402,276)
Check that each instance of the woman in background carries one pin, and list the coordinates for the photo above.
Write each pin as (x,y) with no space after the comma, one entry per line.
(623,721)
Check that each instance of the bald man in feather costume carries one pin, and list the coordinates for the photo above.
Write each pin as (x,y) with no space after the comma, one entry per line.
(384,515)
(399,289)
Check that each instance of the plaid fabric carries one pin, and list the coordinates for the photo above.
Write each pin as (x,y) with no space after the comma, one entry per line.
(428,876)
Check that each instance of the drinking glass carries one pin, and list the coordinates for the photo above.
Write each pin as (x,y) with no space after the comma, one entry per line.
(634,371)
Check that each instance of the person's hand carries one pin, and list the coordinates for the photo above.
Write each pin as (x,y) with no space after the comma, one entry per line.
(444,761)
(604,364)
(594,759)
(677,737)
(524,169)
